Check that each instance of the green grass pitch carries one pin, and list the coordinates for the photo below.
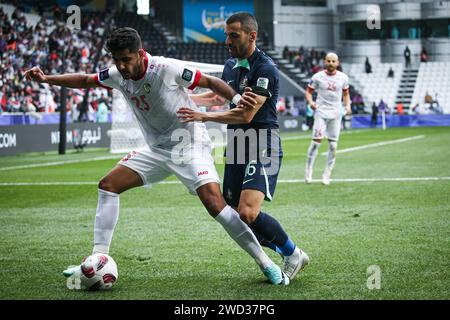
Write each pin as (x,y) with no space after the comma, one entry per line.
(168,247)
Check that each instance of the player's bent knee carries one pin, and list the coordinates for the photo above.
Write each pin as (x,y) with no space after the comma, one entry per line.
(214,205)
(247,214)
(106,184)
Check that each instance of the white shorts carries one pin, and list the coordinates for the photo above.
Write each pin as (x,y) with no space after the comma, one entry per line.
(326,128)
(154,165)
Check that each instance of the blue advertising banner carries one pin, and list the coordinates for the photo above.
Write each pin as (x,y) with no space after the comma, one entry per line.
(429,120)
(204,20)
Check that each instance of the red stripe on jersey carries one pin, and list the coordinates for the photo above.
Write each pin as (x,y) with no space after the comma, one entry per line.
(99,83)
(197,77)
(310,89)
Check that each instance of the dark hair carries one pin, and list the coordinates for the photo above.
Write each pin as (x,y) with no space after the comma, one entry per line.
(124,38)
(248,21)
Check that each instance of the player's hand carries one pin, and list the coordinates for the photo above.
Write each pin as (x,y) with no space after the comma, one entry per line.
(35,74)
(248,99)
(313,105)
(348,111)
(189,115)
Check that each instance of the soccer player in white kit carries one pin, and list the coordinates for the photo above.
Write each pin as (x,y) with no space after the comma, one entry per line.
(331,86)
(155,88)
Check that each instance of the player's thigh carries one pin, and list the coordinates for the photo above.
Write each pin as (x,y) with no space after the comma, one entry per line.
(319,128)
(334,129)
(233,178)
(196,170)
(148,165)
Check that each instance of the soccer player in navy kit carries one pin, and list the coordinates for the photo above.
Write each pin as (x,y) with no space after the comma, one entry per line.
(248,183)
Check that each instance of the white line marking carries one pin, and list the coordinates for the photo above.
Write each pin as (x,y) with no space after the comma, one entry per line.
(57,163)
(374,145)
(309,136)
(372,179)
(80,183)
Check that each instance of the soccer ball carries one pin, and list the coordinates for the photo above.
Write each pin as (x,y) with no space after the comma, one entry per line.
(98,272)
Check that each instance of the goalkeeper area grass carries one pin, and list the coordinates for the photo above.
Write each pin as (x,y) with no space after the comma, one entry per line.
(381,230)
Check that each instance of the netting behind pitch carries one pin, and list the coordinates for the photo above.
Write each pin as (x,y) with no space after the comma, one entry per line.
(125,132)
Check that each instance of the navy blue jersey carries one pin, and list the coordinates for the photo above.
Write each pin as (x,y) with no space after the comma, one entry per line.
(261,74)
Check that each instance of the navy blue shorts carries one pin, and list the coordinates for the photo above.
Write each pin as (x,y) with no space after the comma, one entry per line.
(255,174)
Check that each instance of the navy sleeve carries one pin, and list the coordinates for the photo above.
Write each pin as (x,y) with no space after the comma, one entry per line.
(266,81)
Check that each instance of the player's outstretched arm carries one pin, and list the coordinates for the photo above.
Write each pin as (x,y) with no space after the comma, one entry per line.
(75,80)
(241,114)
(222,89)
(208,99)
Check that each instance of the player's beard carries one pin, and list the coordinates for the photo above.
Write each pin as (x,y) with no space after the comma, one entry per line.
(237,52)
(331,68)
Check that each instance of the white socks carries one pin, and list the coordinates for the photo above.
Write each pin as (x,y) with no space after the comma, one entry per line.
(243,235)
(312,154)
(105,220)
(332,146)
(108,214)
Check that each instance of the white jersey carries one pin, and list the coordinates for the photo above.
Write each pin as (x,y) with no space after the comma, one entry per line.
(156,96)
(329,92)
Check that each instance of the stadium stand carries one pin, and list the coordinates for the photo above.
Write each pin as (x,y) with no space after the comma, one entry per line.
(376,85)
(433,80)
(28,39)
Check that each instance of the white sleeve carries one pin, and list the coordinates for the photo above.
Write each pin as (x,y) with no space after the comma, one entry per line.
(345,86)
(177,73)
(313,83)
(109,78)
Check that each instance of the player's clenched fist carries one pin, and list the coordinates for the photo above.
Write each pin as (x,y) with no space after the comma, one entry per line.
(35,74)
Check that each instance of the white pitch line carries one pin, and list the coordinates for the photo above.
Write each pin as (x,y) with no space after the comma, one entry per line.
(372,179)
(76,183)
(57,163)
(308,136)
(378,144)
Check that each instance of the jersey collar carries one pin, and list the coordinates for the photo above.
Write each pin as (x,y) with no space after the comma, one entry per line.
(245,63)
(242,63)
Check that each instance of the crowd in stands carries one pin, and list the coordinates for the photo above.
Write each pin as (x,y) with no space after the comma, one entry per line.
(55,48)
(309,61)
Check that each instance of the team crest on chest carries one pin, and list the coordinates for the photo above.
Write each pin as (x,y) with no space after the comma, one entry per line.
(147,87)
(243,83)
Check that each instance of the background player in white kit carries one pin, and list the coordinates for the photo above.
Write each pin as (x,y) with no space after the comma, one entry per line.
(331,86)
(155,88)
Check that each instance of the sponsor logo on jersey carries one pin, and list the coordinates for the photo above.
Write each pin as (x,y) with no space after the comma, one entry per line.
(187,75)
(262,83)
(201,173)
(104,74)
